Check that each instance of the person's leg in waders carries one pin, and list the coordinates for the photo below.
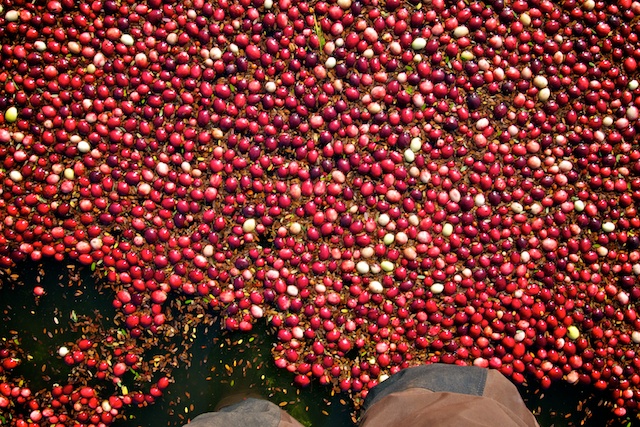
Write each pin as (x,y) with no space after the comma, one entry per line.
(446,395)
(249,412)
(434,395)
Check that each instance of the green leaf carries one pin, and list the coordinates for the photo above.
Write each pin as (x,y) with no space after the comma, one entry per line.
(318,29)
(135,373)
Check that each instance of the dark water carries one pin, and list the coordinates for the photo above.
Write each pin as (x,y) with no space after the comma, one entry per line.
(213,376)
(42,324)
(221,364)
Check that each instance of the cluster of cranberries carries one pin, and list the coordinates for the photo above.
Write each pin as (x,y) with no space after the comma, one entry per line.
(386,182)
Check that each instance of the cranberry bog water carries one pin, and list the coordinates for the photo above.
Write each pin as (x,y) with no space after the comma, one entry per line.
(307,197)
